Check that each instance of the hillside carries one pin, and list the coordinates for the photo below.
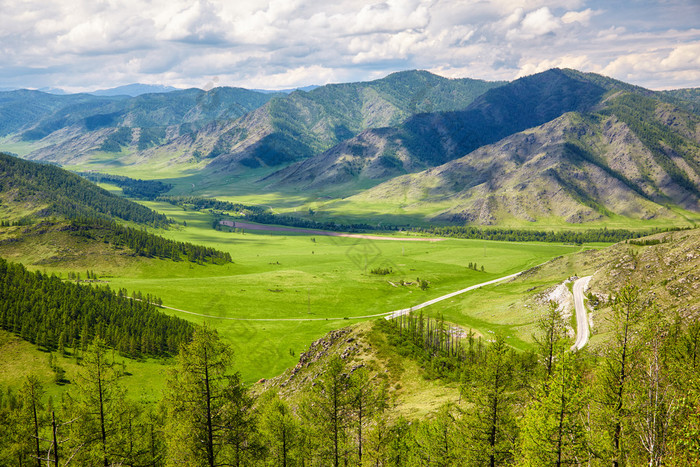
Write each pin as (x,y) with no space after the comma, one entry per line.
(306,123)
(59,216)
(431,139)
(632,156)
(70,127)
(29,189)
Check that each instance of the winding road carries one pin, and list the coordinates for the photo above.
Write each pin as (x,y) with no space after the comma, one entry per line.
(386,315)
(580,285)
(582,331)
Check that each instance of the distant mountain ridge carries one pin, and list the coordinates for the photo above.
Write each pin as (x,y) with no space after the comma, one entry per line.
(233,128)
(469,143)
(133,90)
(430,139)
(306,123)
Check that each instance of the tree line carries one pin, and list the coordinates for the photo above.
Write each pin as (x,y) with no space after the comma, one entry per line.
(147,244)
(633,402)
(265,216)
(565,236)
(133,188)
(55,314)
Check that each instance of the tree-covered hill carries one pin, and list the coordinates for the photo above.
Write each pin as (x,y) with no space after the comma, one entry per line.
(44,189)
(30,191)
(431,139)
(55,314)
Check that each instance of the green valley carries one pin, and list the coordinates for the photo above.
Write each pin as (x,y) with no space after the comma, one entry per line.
(283,267)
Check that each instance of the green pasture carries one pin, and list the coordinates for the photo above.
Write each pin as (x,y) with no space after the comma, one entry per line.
(284,291)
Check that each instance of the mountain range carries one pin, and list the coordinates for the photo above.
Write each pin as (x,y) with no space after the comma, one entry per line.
(558,144)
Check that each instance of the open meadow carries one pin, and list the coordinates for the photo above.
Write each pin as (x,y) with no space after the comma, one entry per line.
(284,291)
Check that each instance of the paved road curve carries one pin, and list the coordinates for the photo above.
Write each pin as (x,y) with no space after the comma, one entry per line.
(582,331)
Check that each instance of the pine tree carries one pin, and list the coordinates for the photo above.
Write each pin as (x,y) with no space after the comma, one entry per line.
(208,409)
(553,430)
(491,425)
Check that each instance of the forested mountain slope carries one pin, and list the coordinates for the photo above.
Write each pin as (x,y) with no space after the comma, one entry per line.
(29,189)
(431,139)
(42,200)
(305,123)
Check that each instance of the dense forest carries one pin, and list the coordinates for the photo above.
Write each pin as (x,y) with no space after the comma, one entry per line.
(133,188)
(66,194)
(563,236)
(147,244)
(634,401)
(55,314)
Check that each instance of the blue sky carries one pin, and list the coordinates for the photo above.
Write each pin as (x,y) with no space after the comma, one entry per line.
(81,45)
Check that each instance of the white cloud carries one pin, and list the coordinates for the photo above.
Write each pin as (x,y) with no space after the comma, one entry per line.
(186,42)
(540,22)
(582,17)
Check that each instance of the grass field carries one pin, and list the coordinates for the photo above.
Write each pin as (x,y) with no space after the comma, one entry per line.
(284,291)
(304,286)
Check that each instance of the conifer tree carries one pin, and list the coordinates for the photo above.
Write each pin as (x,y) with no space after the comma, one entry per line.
(281,431)
(491,424)
(328,411)
(620,360)
(206,404)
(96,407)
(553,431)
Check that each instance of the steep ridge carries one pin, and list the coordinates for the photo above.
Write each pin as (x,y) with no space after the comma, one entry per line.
(73,126)
(306,123)
(431,139)
(577,167)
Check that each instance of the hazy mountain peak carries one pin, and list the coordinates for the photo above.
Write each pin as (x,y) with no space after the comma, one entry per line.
(133,90)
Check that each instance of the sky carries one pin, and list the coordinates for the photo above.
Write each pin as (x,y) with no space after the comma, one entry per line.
(84,45)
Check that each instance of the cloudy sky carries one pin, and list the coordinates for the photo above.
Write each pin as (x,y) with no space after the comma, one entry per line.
(83,45)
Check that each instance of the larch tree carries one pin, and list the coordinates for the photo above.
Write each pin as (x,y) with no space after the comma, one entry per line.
(95,407)
(202,403)
(619,362)
(553,429)
(491,424)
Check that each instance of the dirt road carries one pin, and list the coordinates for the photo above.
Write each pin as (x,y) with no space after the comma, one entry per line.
(405,311)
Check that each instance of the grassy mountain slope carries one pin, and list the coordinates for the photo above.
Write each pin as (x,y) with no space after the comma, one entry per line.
(306,123)
(76,125)
(431,139)
(634,157)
